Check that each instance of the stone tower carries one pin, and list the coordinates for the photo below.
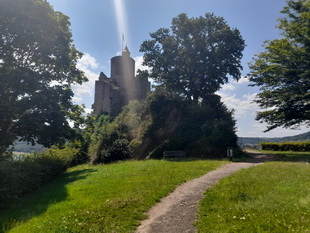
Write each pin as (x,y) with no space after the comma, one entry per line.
(111,94)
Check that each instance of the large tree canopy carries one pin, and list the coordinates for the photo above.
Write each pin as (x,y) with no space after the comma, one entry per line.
(282,71)
(37,68)
(195,57)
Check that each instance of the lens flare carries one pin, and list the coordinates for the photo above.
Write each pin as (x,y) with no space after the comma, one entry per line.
(121,22)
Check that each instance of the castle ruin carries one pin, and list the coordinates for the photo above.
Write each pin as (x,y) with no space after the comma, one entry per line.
(111,94)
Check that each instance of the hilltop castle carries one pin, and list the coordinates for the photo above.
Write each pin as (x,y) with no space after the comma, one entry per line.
(111,94)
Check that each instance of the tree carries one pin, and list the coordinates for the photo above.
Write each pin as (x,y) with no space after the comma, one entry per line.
(194,57)
(37,69)
(282,71)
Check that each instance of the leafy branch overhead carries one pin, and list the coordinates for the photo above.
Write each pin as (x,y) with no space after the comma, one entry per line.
(195,57)
(282,71)
(37,68)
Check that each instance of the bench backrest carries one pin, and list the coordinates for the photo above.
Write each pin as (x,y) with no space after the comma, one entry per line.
(174,153)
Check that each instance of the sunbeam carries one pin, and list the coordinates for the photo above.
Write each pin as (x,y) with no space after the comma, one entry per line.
(121,22)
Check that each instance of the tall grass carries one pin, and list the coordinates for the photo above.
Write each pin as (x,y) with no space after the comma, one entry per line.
(273,197)
(103,198)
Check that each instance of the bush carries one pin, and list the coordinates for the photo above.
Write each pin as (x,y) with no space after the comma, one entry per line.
(29,173)
(286,146)
(204,130)
(115,140)
(161,122)
(119,150)
(112,145)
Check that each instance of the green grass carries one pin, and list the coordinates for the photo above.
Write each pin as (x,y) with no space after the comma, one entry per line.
(104,198)
(291,156)
(273,197)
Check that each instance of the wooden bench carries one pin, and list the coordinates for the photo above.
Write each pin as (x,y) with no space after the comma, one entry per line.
(173,154)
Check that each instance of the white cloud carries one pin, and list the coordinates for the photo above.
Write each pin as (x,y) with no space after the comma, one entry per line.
(76,99)
(243,80)
(229,87)
(232,86)
(139,66)
(88,110)
(242,106)
(87,64)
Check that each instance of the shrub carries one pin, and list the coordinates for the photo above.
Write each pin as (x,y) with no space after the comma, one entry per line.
(119,150)
(29,173)
(286,146)
(111,143)
(115,140)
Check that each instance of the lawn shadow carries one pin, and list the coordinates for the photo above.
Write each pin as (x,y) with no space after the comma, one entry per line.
(294,157)
(191,159)
(261,156)
(38,201)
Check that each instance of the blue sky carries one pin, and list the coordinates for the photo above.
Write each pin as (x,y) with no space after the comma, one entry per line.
(97,28)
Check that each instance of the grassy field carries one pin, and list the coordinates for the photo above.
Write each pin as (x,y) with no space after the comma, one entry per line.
(291,156)
(105,198)
(273,197)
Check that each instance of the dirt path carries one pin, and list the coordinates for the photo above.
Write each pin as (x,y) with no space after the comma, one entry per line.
(177,212)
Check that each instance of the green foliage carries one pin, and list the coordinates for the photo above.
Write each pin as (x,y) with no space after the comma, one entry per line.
(109,198)
(37,69)
(282,71)
(159,107)
(190,62)
(30,172)
(195,57)
(273,197)
(286,146)
(203,130)
(109,141)
(95,125)
(164,122)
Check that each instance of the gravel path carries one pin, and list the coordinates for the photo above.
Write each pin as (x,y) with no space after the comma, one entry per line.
(177,212)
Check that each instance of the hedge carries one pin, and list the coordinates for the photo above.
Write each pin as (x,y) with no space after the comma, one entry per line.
(23,175)
(286,146)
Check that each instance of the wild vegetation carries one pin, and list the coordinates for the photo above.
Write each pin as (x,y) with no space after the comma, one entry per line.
(102,198)
(163,122)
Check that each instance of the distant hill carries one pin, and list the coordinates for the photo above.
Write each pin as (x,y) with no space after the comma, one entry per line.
(256,141)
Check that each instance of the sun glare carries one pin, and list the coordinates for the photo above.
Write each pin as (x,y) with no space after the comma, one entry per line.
(121,22)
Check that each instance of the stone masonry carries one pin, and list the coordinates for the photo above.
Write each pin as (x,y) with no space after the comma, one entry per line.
(111,94)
